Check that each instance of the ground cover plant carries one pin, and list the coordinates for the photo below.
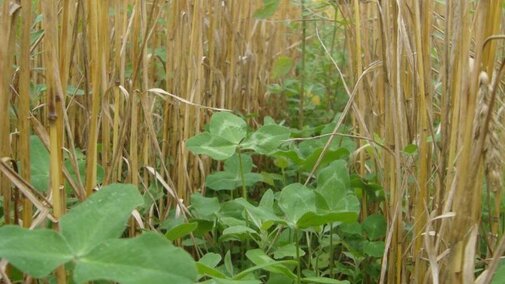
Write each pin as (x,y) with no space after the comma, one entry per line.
(272,141)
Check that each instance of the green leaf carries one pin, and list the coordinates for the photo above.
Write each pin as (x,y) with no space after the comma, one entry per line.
(210,259)
(73,91)
(351,229)
(228,264)
(262,217)
(261,259)
(295,200)
(267,200)
(268,9)
(230,181)
(374,249)
(266,139)
(102,216)
(323,280)
(36,252)
(232,165)
(237,232)
(222,181)
(213,146)
(312,219)
(206,270)
(230,178)
(331,155)
(39,164)
(499,276)
(410,149)
(281,67)
(288,250)
(181,230)
(333,183)
(375,226)
(228,127)
(149,258)
(204,207)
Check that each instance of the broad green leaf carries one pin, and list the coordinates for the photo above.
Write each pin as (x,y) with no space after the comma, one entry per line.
(499,276)
(222,181)
(228,127)
(231,221)
(333,183)
(181,231)
(375,226)
(213,146)
(268,9)
(266,139)
(204,207)
(281,67)
(230,181)
(289,154)
(374,249)
(331,155)
(261,259)
(323,280)
(36,252)
(288,250)
(267,200)
(351,229)
(237,232)
(100,217)
(210,259)
(345,211)
(312,219)
(230,178)
(232,165)
(39,164)
(262,217)
(149,258)
(295,200)
(206,270)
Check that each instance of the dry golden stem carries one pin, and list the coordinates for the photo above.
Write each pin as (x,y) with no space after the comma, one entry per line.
(24,107)
(55,117)
(94,11)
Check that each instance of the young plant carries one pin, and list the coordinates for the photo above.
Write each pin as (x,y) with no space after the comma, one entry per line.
(228,135)
(89,242)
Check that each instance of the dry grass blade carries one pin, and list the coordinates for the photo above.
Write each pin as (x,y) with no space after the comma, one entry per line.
(37,199)
(161,92)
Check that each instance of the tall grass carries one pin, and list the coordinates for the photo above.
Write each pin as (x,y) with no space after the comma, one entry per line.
(424,73)
(439,89)
(81,81)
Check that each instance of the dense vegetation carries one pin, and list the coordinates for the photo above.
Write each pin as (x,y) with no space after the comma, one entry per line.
(274,141)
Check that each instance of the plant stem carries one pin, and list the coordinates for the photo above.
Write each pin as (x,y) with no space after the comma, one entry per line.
(302,72)
(242,178)
(332,253)
(298,265)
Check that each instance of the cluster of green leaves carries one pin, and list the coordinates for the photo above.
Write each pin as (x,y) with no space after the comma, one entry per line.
(88,244)
(228,134)
(267,240)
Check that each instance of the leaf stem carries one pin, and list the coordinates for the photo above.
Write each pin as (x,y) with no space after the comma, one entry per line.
(299,265)
(242,178)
